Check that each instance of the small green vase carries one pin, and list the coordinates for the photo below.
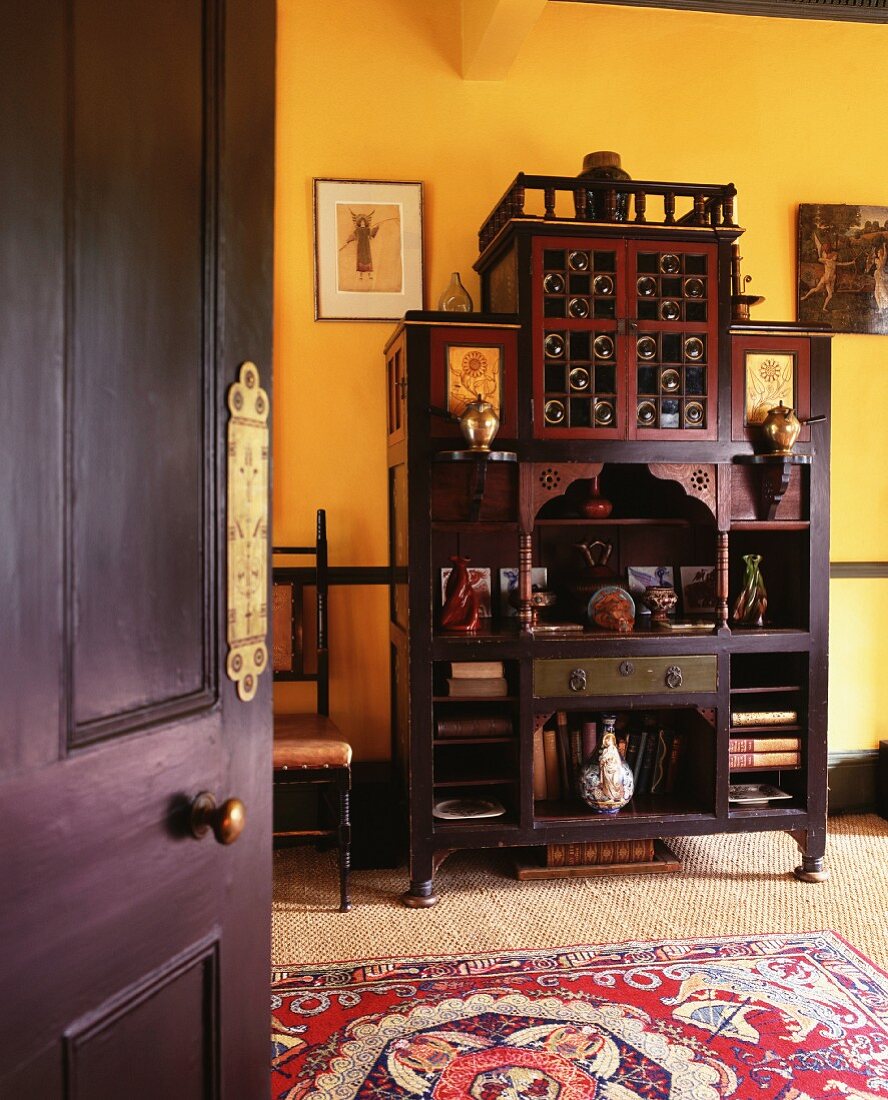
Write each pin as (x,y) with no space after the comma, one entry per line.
(751,604)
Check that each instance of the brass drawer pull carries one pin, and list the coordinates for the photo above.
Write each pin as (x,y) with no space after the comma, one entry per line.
(673,677)
(577,680)
(626,668)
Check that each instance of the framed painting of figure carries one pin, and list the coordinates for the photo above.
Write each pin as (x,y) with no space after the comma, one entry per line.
(368,249)
(843,266)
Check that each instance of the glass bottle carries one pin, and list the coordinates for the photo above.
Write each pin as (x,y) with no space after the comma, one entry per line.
(455,298)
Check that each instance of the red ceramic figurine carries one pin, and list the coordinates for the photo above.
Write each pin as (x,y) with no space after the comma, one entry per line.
(460,611)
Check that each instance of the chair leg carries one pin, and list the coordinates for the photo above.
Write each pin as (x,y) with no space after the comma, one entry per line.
(344,840)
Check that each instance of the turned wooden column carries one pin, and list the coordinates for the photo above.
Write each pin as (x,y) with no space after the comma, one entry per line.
(721,581)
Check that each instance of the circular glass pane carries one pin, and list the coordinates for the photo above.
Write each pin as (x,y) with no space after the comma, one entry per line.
(553,283)
(603,347)
(604,413)
(579,378)
(647,287)
(554,345)
(554,412)
(646,413)
(579,261)
(646,347)
(670,380)
(694,288)
(694,347)
(670,311)
(578,307)
(670,264)
(694,414)
(603,284)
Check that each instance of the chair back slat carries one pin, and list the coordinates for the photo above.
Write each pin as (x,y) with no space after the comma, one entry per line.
(300,645)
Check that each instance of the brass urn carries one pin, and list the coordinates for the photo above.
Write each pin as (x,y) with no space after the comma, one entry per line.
(781,429)
(479,424)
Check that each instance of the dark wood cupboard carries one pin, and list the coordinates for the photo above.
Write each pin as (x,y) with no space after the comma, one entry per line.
(611,350)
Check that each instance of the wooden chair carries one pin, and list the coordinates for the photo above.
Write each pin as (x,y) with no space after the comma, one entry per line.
(308,748)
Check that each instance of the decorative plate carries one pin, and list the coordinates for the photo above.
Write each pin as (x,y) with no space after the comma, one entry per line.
(459,809)
(755,794)
(612,608)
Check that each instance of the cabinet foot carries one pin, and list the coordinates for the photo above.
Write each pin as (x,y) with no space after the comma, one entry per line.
(419,896)
(811,870)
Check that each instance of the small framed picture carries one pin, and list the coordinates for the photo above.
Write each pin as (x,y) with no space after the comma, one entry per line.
(698,589)
(368,249)
(640,577)
(508,584)
(480,578)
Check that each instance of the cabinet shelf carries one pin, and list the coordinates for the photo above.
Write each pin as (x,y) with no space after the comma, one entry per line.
(477,526)
(474,699)
(767,768)
(787,815)
(643,806)
(449,741)
(634,521)
(485,826)
(773,731)
(475,781)
(770,525)
(769,690)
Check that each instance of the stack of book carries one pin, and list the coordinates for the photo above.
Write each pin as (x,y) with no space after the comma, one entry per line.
(593,853)
(560,753)
(596,857)
(760,753)
(653,753)
(477,680)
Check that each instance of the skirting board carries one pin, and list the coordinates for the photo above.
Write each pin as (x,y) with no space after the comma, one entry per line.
(853,782)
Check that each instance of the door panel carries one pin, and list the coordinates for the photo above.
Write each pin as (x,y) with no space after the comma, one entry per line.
(135,278)
(31,323)
(176,1008)
(140,227)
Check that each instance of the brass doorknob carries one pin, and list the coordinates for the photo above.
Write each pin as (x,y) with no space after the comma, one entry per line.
(227,821)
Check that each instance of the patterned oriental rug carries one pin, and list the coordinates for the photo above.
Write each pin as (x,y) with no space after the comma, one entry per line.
(794,1017)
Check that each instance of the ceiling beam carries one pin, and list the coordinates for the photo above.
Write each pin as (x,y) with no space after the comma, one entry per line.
(493,31)
(863,11)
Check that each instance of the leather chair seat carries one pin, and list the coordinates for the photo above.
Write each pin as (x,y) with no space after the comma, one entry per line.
(308,741)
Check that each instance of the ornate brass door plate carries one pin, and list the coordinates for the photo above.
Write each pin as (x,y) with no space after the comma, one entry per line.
(247,531)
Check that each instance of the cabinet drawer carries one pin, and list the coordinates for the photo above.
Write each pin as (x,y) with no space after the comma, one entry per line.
(624,675)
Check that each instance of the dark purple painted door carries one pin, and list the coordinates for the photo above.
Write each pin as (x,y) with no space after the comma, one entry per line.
(135,277)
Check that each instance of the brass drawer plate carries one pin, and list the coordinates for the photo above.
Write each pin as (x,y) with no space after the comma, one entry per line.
(624,675)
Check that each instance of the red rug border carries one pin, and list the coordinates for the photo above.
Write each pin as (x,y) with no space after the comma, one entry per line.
(277,976)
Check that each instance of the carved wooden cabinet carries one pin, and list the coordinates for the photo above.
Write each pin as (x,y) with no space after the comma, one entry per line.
(610,349)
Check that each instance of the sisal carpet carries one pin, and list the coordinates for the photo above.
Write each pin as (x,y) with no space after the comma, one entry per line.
(781,1017)
(730,885)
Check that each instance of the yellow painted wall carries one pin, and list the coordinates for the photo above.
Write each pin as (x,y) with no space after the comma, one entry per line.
(789,110)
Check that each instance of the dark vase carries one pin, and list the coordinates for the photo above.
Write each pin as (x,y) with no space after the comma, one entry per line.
(595,506)
(460,611)
(604,165)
